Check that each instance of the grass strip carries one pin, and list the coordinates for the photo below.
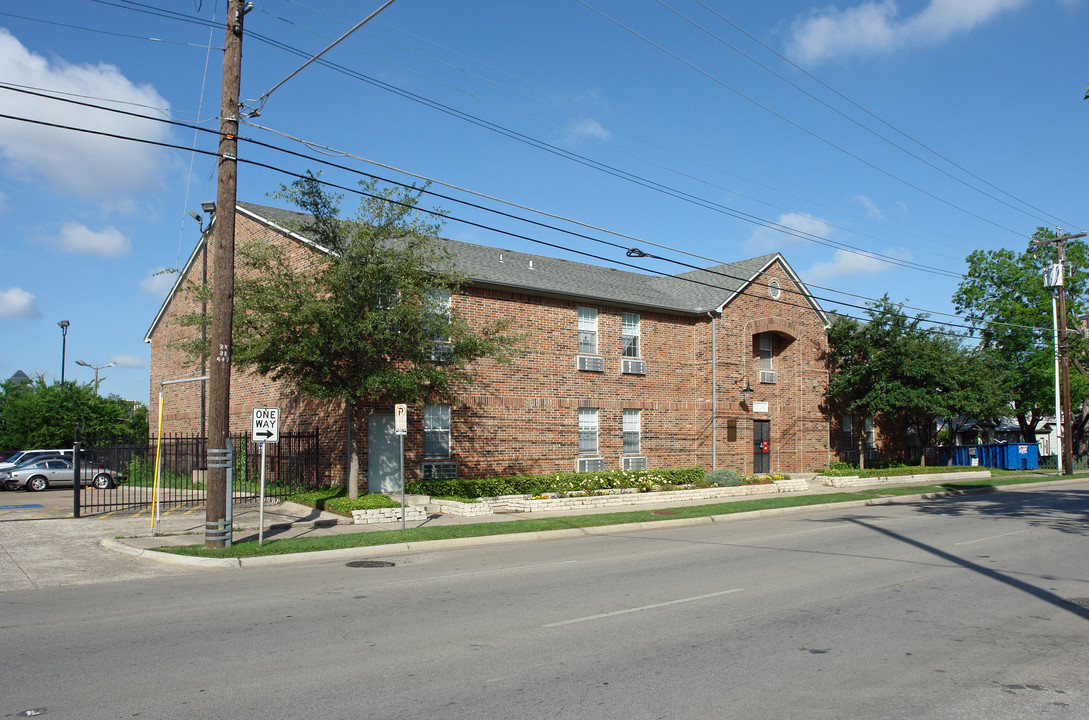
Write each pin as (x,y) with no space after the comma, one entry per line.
(288,546)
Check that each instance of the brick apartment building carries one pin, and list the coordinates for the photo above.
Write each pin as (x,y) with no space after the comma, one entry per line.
(722,367)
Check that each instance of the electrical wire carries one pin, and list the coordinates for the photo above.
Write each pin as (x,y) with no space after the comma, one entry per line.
(797,125)
(459,201)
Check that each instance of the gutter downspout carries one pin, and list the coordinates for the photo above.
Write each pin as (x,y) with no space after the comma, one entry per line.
(714,392)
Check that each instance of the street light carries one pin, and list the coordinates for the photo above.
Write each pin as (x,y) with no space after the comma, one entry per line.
(63,325)
(96,368)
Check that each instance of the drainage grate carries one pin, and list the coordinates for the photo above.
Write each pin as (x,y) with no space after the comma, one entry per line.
(1080,602)
(369,563)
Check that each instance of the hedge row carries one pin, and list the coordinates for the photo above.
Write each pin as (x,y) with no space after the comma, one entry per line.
(557,482)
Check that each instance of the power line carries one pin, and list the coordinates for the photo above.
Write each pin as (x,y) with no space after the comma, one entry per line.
(795,124)
(482,226)
(872,114)
(859,124)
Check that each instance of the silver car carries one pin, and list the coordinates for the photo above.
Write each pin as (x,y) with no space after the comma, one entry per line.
(54,471)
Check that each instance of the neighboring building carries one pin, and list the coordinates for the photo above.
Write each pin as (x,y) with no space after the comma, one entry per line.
(19,377)
(723,367)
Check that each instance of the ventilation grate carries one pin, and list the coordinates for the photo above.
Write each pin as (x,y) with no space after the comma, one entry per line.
(369,564)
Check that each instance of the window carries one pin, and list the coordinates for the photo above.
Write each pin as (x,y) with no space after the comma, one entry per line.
(629,335)
(632,431)
(587,331)
(436,431)
(587,431)
(439,303)
(767,351)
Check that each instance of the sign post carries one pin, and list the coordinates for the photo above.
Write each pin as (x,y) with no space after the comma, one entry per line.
(400,427)
(266,426)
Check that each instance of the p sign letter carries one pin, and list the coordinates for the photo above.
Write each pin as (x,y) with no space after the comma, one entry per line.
(266,425)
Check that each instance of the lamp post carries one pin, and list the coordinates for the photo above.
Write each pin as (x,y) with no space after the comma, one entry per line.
(96,368)
(63,325)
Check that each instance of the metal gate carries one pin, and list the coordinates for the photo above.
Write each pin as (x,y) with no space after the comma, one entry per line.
(291,467)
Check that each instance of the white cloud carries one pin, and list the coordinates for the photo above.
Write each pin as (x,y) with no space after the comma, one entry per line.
(88,165)
(589,129)
(158,283)
(849,264)
(127,361)
(18,303)
(76,238)
(875,27)
(772,239)
(872,211)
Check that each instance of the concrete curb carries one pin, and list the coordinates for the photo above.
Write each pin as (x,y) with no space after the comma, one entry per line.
(347,554)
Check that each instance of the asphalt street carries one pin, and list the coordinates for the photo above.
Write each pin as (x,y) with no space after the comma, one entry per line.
(971,607)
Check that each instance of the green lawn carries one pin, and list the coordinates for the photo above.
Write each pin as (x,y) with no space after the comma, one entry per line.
(387,537)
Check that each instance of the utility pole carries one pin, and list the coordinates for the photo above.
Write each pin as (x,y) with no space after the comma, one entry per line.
(219,375)
(1055,282)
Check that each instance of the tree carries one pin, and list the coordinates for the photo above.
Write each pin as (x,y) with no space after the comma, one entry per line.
(36,415)
(367,318)
(1004,298)
(911,375)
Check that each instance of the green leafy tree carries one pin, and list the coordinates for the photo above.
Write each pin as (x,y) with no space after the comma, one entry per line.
(367,318)
(1004,298)
(37,415)
(911,375)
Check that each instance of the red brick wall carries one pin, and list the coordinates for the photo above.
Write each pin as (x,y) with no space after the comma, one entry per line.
(522,417)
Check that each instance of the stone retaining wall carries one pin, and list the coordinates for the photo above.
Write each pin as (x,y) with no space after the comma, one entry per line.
(413,513)
(856,481)
(460,509)
(525,504)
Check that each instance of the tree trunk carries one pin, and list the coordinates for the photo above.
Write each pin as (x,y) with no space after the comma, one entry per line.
(861,443)
(353,452)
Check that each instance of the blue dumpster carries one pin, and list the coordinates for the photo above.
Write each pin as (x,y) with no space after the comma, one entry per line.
(1008,456)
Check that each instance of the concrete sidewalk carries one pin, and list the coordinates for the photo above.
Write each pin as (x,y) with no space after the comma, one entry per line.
(96,549)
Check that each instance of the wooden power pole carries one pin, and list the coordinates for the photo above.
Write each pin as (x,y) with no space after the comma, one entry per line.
(219,374)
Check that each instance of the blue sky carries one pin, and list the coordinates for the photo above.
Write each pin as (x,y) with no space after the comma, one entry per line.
(889,138)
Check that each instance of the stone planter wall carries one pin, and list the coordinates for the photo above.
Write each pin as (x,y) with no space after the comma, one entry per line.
(460,509)
(521,503)
(413,513)
(856,481)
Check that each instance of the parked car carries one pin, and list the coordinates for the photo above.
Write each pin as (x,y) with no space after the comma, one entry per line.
(55,470)
(24,456)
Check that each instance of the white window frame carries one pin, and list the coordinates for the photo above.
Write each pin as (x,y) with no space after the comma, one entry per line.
(588,431)
(632,432)
(437,420)
(630,344)
(587,331)
(766,346)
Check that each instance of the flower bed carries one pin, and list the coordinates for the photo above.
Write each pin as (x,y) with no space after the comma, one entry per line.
(628,497)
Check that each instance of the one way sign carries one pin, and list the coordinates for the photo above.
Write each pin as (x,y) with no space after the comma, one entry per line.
(266,425)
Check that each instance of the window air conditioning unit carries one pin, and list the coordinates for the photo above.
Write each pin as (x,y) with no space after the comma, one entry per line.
(591,364)
(633,367)
(768,376)
(633,463)
(590,465)
(440,470)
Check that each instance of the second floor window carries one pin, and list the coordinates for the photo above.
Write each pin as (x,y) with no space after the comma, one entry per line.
(767,351)
(629,335)
(587,331)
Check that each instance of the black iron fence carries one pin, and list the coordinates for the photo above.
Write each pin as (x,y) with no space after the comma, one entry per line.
(291,466)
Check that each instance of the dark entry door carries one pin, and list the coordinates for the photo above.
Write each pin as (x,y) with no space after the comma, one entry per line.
(761,446)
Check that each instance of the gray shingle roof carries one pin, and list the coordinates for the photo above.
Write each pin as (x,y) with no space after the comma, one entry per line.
(694,292)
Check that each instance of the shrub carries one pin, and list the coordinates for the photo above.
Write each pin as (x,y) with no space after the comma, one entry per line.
(561,483)
(724,477)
